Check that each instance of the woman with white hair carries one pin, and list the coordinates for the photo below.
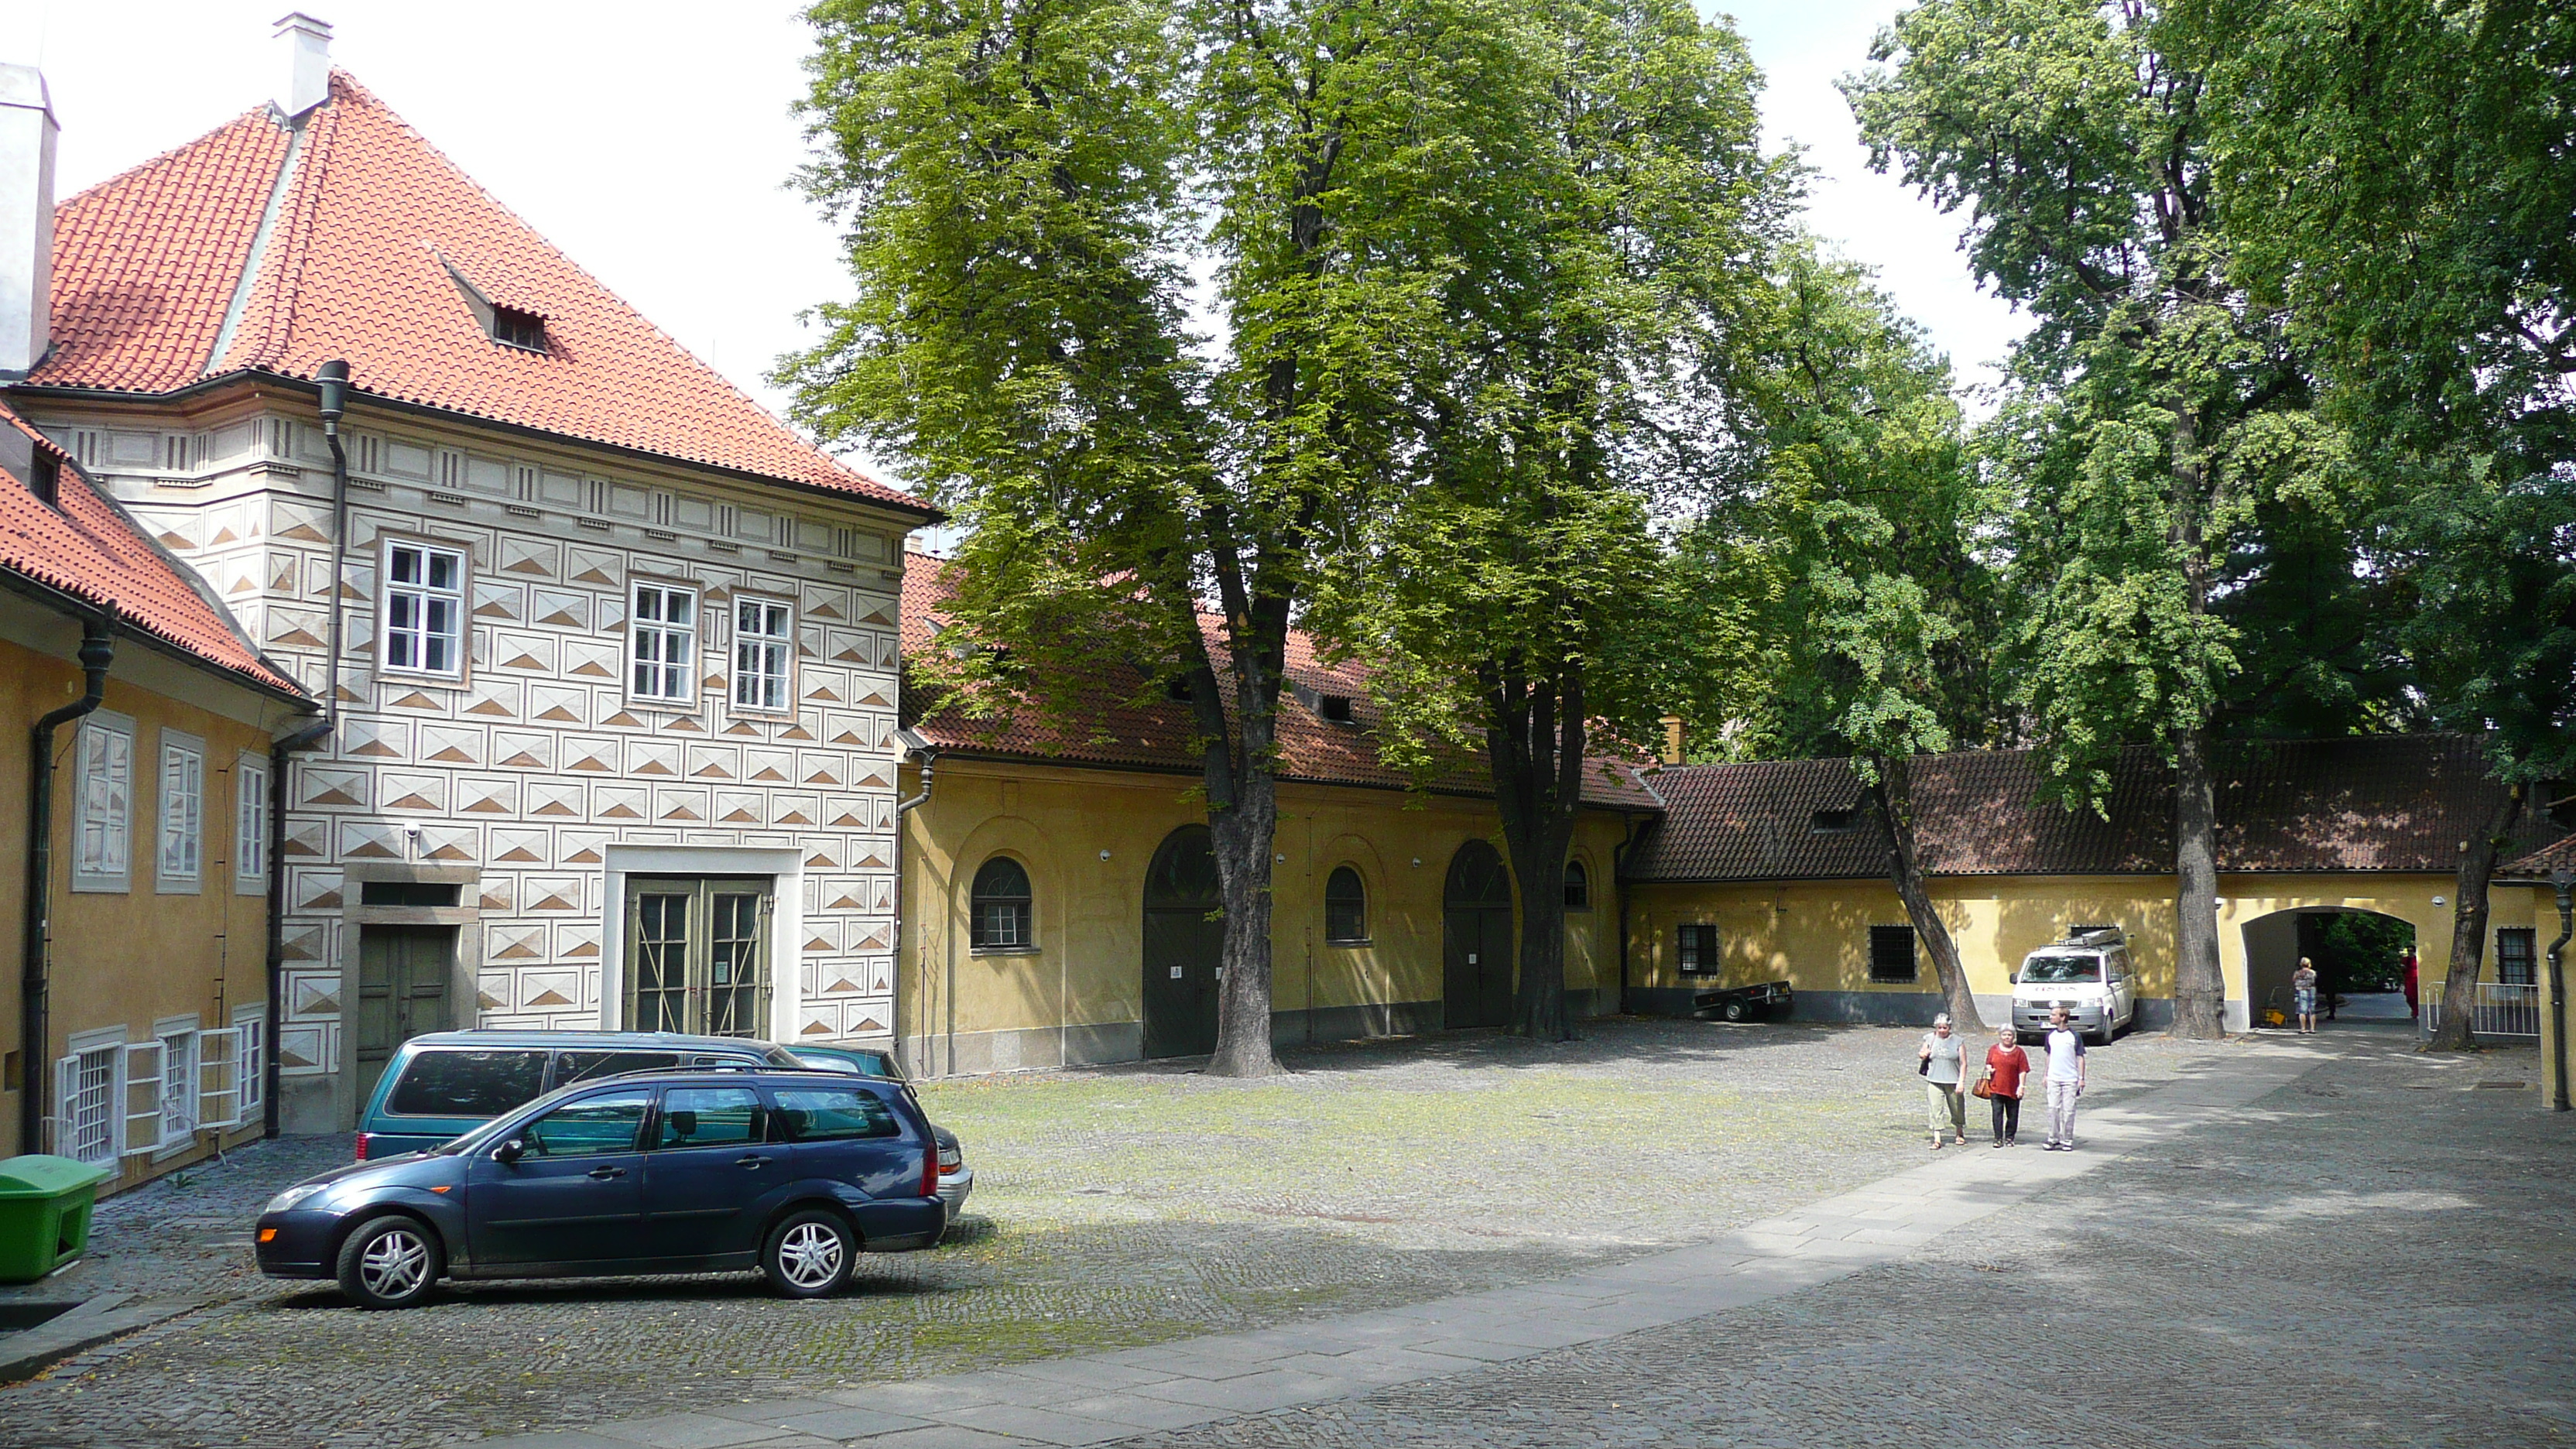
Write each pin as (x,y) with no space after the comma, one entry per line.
(1943,1059)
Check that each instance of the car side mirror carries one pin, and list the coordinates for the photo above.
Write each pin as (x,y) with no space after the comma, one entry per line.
(509,1151)
(2013,977)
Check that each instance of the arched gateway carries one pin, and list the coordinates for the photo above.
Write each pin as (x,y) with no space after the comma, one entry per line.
(1184,945)
(1476,975)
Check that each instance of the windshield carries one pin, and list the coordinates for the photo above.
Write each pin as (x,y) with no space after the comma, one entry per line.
(2062,968)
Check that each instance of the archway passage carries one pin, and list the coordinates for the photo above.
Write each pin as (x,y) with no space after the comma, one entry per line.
(1476,975)
(1184,946)
(2360,958)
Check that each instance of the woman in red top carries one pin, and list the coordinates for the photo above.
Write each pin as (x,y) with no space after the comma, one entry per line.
(2005,1066)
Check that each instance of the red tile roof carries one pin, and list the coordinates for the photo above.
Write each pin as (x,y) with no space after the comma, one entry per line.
(86,546)
(2541,863)
(1105,726)
(2397,802)
(369,219)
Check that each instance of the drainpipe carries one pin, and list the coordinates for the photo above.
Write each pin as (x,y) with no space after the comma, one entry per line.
(35,1033)
(2565,881)
(920,749)
(1619,883)
(334,380)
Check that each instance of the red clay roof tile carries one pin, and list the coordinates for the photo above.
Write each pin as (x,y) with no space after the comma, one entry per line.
(369,217)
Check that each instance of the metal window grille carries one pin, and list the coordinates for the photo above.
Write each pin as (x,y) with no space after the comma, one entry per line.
(763,643)
(424,608)
(250,820)
(664,630)
(1891,953)
(86,1122)
(1345,906)
(2517,956)
(1000,907)
(1578,886)
(1697,948)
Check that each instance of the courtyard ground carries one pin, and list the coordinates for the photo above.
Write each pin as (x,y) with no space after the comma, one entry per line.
(1136,1206)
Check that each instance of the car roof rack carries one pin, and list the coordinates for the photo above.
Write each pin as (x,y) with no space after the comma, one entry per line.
(2090,935)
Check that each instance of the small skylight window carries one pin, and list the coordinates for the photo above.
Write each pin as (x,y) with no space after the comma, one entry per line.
(514,328)
(1836,822)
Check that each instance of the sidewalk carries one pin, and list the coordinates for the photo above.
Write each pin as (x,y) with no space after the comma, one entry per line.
(1108,1397)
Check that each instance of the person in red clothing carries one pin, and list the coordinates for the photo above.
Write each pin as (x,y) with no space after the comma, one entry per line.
(2006,1064)
(2410,981)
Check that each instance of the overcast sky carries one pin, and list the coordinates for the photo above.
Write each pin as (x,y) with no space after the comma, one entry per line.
(653,142)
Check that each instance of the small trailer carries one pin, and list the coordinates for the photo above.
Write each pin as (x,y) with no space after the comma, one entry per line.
(1743,1003)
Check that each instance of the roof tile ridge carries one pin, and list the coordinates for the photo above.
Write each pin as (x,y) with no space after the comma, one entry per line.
(95,188)
(358,91)
(275,290)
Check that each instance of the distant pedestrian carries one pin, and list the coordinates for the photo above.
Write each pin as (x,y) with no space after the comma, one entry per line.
(2065,1080)
(1944,1093)
(2006,1065)
(2409,979)
(2303,991)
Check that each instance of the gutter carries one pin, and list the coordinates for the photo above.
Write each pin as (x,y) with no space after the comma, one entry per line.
(333,379)
(2566,885)
(921,749)
(35,1032)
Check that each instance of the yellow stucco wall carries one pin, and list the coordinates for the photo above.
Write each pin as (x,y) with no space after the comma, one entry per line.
(135,958)
(1815,934)
(1075,996)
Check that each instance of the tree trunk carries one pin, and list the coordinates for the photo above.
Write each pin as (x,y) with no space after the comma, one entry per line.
(1242,837)
(2200,988)
(2469,927)
(1534,748)
(1893,796)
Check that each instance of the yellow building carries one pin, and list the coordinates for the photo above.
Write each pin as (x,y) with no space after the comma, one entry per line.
(140,1038)
(1057,884)
(1788,864)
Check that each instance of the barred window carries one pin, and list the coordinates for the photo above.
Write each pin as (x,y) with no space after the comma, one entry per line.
(1000,906)
(1891,953)
(1345,906)
(1697,946)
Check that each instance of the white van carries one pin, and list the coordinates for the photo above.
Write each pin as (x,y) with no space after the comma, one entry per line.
(2088,973)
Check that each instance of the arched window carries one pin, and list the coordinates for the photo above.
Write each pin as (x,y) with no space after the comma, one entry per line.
(1000,905)
(1345,906)
(1578,887)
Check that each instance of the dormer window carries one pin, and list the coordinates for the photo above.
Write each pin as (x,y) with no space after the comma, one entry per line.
(514,328)
(1177,688)
(510,326)
(1334,707)
(1836,822)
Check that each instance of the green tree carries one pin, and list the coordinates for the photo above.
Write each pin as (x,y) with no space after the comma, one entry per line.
(1854,542)
(2399,176)
(2158,451)
(1026,186)
(1513,594)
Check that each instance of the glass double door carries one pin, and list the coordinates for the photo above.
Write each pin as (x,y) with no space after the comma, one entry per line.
(697,955)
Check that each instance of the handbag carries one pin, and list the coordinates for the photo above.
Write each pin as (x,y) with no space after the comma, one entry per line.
(1984,1089)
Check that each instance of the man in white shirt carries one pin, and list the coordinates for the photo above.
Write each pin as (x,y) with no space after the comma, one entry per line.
(2065,1080)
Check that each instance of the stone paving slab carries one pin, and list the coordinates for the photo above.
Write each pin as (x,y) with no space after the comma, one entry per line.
(1269,1370)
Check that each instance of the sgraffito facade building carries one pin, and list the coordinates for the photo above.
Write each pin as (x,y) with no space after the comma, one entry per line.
(615,694)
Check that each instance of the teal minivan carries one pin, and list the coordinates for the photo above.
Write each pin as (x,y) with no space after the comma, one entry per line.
(446,1084)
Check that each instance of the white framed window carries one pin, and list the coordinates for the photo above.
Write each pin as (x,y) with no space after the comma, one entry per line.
(163,1109)
(250,824)
(662,635)
(103,847)
(181,862)
(219,1078)
(89,1124)
(423,629)
(764,648)
(250,1059)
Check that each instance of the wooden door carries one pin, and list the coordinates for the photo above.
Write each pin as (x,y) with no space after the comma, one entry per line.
(1184,946)
(1476,955)
(403,973)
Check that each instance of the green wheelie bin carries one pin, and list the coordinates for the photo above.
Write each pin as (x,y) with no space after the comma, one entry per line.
(44,1214)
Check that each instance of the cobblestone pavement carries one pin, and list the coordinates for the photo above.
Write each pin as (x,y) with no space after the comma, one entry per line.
(2381,1254)
(1114,1207)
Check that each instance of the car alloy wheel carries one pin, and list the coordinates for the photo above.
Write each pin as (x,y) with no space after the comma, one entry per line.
(809,1254)
(389,1263)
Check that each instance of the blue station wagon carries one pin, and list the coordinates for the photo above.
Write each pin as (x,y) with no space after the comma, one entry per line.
(794,1172)
(445,1084)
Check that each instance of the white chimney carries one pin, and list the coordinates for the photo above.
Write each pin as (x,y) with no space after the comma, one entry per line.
(303,63)
(27,132)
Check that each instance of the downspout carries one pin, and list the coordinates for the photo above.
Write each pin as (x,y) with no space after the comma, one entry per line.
(920,749)
(334,379)
(35,1033)
(1619,883)
(2566,884)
